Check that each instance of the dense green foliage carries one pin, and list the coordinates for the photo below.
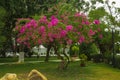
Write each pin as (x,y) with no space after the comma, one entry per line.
(11,10)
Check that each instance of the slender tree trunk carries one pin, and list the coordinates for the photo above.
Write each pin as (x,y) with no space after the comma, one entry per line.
(21,54)
(47,55)
(62,64)
(67,57)
(56,52)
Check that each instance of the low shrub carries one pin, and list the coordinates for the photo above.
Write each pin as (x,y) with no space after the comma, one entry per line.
(108,59)
(83,60)
(97,58)
(117,61)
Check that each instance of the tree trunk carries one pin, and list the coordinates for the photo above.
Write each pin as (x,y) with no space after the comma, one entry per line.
(21,57)
(47,55)
(62,64)
(21,54)
(67,57)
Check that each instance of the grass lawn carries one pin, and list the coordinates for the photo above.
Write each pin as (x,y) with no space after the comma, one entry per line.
(92,71)
(15,59)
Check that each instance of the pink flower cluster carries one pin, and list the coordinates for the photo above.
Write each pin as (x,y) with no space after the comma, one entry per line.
(96,22)
(46,31)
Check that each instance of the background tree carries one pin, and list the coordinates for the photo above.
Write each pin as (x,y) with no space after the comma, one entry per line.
(19,9)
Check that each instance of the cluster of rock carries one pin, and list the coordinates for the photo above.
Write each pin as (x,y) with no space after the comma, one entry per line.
(9,76)
(33,75)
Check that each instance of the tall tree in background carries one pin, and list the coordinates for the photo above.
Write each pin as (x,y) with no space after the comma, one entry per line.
(13,9)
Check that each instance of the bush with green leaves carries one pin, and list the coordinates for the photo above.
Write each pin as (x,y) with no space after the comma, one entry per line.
(117,61)
(107,57)
(89,49)
(83,60)
(97,58)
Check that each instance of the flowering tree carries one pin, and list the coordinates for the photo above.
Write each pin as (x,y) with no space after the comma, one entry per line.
(56,32)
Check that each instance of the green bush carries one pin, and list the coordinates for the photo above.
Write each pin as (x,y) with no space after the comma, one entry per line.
(97,58)
(117,61)
(108,57)
(83,60)
(74,50)
(88,49)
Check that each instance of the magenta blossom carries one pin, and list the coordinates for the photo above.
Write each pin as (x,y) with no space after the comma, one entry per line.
(16,28)
(100,36)
(69,41)
(49,25)
(91,32)
(86,22)
(43,20)
(98,29)
(22,30)
(42,29)
(19,40)
(80,26)
(53,17)
(33,23)
(81,39)
(54,21)
(96,22)
(63,33)
(39,41)
(77,14)
(69,27)
(28,25)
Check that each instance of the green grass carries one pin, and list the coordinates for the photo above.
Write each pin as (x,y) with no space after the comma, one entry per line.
(10,59)
(92,71)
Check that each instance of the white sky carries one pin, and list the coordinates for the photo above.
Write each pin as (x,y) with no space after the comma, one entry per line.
(117,2)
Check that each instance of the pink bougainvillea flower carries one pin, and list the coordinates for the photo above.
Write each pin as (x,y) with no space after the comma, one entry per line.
(69,41)
(91,32)
(98,29)
(49,34)
(28,25)
(25,43)
(42,29)
(53,17)
(78,33)
(22,30)
(33,23)
(81,39)
(96,22)
(77,14)
(63,33)
(86,22)
(54,21)
(69,27)
(51,39)
(39,41)
(18,40)
(100,36)
(49,25)
(80,26)
(16,28)
(43,20)
(55,36)
(83,15)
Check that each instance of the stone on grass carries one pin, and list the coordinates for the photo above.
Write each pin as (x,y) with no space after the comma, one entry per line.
(9,76)
(36,75)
